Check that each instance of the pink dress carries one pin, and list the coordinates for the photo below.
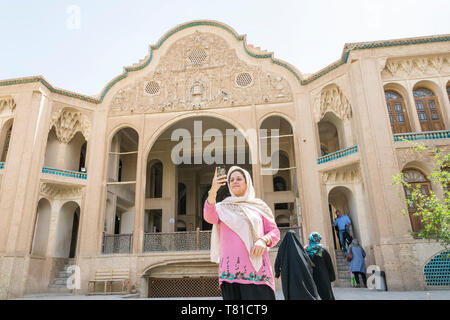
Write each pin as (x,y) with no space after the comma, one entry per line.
(235,265)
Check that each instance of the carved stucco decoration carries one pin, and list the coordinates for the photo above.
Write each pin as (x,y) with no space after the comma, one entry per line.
(416,66)
(332,99)
(57,191)
(406,155)
(68,122)
(7,104)
(347,174)
(200,71)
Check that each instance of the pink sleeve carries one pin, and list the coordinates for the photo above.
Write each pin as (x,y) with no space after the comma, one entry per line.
(271,230)
(210,213)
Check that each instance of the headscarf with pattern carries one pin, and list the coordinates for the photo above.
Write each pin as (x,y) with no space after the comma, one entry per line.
(242,215)
(314,243)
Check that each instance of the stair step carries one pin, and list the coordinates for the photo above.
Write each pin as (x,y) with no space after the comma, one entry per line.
(344,275)
(55,289)
(64,274)
(60,281)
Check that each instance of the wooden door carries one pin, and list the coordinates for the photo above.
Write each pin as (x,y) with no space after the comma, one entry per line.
(398,116)
(415,177)
(428,110)
(416,221)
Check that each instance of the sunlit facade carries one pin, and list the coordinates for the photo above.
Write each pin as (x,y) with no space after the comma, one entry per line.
(91,181)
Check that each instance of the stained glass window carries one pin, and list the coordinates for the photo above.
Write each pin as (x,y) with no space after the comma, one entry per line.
(423,92)
(391,95)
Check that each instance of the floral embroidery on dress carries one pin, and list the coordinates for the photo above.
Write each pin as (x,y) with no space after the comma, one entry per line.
(242,276)
(239,275)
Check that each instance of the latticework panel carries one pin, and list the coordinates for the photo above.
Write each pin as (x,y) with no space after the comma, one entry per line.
(183,287)
(117,243)
(191,240)
(177,241)
(437,270)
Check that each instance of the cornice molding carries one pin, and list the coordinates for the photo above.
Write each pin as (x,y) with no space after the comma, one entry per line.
(249,49)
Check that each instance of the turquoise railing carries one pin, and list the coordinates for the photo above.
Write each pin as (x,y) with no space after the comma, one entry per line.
(65,173)
(2,164)
(427,135)
(338,154)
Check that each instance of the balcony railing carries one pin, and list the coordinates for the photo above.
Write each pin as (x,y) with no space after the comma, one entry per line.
(426,135)
(338,154)
(117,243)
(177,241)
(2,164)
(65,173)
(191,240)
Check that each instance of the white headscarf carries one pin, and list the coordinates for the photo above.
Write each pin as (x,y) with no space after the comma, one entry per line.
(241,214)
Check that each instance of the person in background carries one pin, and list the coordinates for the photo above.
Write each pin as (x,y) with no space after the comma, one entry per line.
(243,229)
(357,264)
(323,270)
(342,222)
(296,270)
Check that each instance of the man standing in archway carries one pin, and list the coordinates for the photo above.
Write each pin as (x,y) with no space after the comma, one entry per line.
(342,222)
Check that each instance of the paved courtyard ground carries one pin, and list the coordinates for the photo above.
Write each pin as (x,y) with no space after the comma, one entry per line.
(340,294)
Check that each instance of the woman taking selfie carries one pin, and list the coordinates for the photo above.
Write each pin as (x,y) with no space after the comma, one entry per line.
(243,229)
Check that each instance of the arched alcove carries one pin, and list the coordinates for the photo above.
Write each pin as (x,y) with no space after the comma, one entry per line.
(182,162)
(155,179)
(121,190)
(342,198)
(5,138)
(67,230)
(41,228)
(331,134)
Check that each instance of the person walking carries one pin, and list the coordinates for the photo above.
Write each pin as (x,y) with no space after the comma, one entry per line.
(342,222)
(357,264)
(323,270)
(243,229)
(296,270)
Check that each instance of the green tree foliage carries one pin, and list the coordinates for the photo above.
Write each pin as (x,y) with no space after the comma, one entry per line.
(433,211)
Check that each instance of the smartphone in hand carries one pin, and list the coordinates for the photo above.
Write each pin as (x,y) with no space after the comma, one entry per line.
(220,171)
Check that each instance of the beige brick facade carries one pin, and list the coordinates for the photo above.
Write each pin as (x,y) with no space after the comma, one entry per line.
(93,163)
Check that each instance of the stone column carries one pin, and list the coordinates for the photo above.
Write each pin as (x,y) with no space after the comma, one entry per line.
(169,193)
(139,203)
(94,204)
(409,100)
(445,106)
(20,188)
(313,200)
(377,149)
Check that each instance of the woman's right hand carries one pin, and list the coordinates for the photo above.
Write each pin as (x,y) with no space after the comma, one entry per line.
(217,182)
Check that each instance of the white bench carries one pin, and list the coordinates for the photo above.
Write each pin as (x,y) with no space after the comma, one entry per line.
(108,277)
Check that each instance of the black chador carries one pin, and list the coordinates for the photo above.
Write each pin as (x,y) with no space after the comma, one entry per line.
(323,273)
(296,270)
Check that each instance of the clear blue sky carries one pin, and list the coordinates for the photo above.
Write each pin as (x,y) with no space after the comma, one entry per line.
(36,37)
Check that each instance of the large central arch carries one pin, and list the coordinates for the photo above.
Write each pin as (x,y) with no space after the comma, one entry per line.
(194,173)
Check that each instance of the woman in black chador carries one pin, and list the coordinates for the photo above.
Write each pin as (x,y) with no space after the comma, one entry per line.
(323,271)
(296,270)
